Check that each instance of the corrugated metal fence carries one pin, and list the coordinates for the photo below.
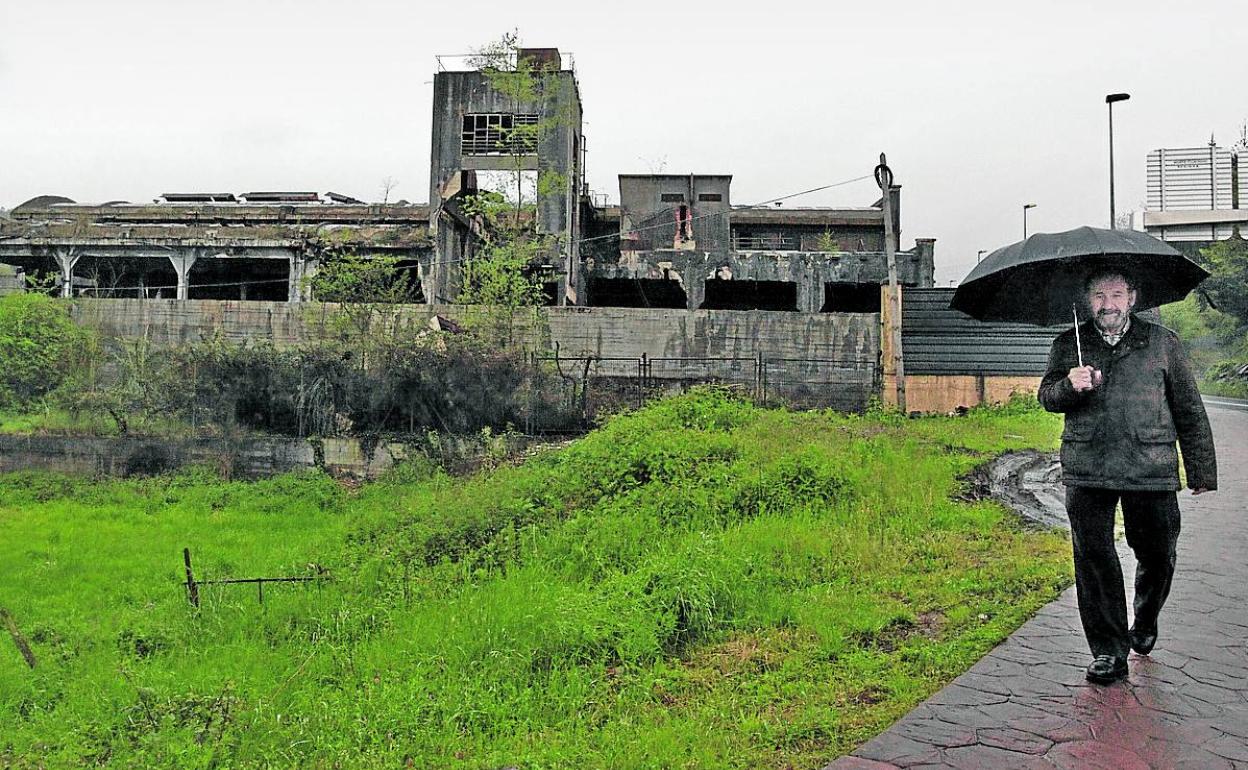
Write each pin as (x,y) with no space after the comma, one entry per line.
(938,340)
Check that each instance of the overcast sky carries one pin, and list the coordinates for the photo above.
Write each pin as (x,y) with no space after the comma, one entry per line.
(981,106)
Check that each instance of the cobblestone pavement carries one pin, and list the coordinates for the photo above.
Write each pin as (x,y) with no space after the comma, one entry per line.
(1027,705)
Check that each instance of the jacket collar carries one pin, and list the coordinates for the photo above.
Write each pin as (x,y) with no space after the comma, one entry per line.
(1136,336)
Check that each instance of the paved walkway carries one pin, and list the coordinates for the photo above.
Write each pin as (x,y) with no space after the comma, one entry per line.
(1026,705)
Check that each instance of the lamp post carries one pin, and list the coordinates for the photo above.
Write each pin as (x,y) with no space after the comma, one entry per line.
(980,255)
(1109,102)
(1025,207)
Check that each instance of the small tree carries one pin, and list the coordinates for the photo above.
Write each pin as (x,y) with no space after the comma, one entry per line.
(505,274)
(387,186)
(827,242)
(371,289)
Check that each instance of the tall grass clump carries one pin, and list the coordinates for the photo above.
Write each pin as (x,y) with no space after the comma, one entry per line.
(700,583)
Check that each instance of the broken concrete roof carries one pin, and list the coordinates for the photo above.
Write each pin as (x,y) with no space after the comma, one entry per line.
(340,198)
(42,202)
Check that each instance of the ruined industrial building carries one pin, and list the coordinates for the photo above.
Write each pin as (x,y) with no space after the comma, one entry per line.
(672,242)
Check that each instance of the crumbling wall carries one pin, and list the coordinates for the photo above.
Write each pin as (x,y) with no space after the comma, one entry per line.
(809,271)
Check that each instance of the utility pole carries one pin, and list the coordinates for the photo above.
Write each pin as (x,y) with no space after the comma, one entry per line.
(884,178)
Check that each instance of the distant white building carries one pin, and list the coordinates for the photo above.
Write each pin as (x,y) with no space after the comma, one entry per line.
(1197,194)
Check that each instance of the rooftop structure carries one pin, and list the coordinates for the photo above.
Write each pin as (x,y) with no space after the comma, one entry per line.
(674,240)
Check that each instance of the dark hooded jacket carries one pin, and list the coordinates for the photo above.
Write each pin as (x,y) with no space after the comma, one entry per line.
(1121,434)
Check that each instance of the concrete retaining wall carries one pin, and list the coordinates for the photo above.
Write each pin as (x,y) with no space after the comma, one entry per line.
(611,332)
(840,348)
(249,458)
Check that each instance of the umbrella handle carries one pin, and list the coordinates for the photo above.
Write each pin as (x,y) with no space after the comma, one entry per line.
(1078,346)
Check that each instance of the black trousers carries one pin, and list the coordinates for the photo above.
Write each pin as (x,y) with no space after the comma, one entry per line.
(1152,524)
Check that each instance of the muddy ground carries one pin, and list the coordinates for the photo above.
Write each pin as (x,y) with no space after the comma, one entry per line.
(1029,482)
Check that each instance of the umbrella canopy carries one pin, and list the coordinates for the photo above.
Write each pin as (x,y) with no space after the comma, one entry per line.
(1037,280)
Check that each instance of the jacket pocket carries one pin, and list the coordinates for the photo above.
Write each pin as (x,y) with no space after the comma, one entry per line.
(1155,460)
(1080,454)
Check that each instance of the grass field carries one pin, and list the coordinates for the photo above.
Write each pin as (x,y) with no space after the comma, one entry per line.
(702,583)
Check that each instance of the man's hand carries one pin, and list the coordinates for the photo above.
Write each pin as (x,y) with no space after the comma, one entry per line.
(1085,378)
(1199,490)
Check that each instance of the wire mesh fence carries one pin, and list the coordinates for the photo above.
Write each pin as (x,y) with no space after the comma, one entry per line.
(594,386)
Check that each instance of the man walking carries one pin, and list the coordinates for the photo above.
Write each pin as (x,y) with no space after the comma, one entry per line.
(1125,409)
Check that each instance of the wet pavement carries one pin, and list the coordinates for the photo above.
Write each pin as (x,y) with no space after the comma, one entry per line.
(1027,705)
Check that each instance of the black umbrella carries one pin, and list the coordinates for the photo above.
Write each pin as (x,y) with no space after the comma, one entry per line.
(1040,280)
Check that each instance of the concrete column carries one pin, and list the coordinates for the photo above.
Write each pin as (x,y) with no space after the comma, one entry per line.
(182,264)
(809,296)
(66,262)
(295,278)
(302,271)
(695,291)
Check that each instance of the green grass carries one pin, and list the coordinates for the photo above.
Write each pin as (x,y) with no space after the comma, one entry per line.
(55,421)
(698,584)
(42,419)
(1228,389)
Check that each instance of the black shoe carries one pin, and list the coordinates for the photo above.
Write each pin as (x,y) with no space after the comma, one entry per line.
(1106,669)
(1142,641)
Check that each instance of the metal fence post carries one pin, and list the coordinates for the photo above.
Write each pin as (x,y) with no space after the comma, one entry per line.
(641,369)
(192,589)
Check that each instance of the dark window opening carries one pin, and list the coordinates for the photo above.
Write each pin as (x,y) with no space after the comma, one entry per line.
(710,197)
(498,134)
(408,271)
(137,277)
(851,298)
(683,221)
(550,293)
(750,295)
(239,278)
(636,292)
(672,198)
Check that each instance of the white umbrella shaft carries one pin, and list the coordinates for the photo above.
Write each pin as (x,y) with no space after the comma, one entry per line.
(1078,345)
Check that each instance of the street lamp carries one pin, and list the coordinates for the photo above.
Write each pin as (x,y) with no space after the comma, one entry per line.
(1025,207)
(1109,101)
(980,255)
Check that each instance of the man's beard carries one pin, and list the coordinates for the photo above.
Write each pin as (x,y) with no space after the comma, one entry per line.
(1111,322)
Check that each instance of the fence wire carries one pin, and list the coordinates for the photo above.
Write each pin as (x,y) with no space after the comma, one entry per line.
(594,386)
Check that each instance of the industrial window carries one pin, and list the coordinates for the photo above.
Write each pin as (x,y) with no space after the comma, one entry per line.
(672,198)
(636,292)
(498,134)
(851,298)
(750,295)
(710,197)
(684,223)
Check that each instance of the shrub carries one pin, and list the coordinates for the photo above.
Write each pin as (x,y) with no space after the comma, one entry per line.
(40,348)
